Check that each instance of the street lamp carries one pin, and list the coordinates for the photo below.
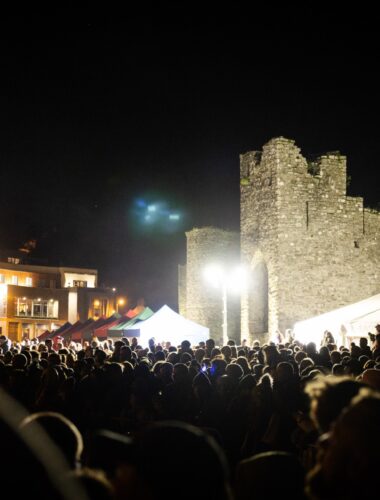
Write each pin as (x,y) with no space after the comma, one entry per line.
(232,279)
(120,302)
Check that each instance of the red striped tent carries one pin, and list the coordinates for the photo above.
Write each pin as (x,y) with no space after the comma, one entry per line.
(134,312)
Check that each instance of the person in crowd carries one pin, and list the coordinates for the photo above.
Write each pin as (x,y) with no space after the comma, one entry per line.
(170,450)
(62,432)
(274,474)
(328,338)
(328,397)
(347,464)
(95,484)
(260,398)
(5,344)
(34,467)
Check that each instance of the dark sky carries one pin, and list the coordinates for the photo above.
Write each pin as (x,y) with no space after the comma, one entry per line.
(99,110)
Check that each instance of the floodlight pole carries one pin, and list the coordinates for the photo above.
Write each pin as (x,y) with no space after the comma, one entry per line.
(224,325)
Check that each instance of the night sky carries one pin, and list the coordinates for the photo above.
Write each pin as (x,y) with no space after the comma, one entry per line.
(102,113)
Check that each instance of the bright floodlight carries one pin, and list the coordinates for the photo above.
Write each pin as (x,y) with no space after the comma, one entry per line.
(234,279)
(214,275)
(237,279)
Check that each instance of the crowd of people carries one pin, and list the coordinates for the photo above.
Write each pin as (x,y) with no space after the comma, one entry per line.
(114,420)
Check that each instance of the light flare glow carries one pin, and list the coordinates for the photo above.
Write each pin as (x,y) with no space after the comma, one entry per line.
(234,279)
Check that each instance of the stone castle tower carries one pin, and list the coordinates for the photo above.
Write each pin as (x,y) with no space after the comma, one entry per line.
(309,247)
(198,300)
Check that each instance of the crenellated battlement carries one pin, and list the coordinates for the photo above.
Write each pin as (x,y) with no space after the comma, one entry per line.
(282,159)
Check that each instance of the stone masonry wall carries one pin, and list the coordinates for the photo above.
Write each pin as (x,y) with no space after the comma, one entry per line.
(259,228)
(309,247)
(321,247)
(203,302)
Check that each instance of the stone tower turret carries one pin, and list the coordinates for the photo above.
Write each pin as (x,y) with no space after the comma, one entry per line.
(199,301)
(310,248)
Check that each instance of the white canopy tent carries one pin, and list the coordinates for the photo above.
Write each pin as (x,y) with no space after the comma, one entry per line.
(347,323)
(167,325)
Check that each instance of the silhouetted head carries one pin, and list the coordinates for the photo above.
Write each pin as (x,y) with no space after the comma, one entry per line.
(270,475)
(235,371)
(329,396)
(181,452)
(41,470)
(348,463)
(210,344)
(185,345)
(106,450)
(61,431)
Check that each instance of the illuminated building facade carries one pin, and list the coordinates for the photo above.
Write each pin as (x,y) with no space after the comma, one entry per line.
(36,298)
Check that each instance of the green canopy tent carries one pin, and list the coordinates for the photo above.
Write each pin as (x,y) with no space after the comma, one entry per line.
(117,331)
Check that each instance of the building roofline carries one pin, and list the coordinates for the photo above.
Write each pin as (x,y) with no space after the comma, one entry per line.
(78,270)
(46,269)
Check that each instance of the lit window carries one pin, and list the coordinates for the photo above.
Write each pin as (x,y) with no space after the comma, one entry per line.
(36,308)
(2,278)
(23,307)
(13,260)
(80,284)
(99,308)
(28,282)
(14,280)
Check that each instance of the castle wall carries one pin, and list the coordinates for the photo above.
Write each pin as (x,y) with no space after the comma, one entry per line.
(204,302)
(258,238)
(309,248)
(321,247)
